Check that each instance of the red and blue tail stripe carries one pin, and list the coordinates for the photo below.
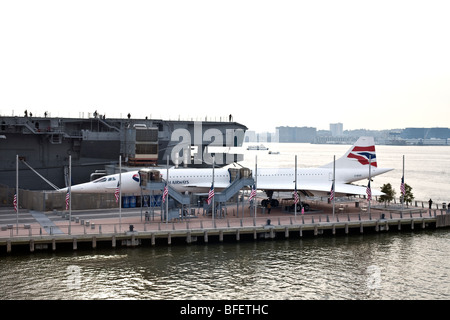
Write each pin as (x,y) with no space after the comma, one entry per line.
(364,155)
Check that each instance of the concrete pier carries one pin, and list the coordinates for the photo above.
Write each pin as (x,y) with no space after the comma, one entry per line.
(203,229)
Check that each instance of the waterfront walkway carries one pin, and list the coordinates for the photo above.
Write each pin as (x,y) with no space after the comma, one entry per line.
(108,221)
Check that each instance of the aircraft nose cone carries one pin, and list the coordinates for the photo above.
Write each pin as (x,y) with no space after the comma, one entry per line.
(73,189)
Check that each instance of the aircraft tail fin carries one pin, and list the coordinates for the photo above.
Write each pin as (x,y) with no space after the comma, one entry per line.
(360,154)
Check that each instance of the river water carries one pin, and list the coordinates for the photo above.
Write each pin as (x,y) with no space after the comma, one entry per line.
(395,265)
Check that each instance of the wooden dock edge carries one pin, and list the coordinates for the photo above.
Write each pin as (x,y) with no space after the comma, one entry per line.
(135,238)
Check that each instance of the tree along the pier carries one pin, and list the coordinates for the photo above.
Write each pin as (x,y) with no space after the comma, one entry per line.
(389,194)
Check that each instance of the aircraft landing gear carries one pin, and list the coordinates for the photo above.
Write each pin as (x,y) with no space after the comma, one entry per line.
(299,208)
(273,203)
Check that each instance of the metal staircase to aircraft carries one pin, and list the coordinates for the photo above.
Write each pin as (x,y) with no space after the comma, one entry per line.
(222,196)
(151,180)
(174,194)
(181,198)
(232,189)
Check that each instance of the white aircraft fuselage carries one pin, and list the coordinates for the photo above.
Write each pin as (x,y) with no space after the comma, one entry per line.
(200,180)
(353,166)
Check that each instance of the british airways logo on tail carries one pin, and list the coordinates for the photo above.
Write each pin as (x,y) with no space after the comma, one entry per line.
(364,155)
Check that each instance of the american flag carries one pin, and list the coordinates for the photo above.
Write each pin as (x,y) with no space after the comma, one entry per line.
(332,192)
(15,202)
(117,192)
(165,193)
(296,198)
(67,200)
(210,194)
(402,186)
(369,192)
(252,193)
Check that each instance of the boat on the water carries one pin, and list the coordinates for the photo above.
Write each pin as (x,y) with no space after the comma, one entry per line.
(256,147)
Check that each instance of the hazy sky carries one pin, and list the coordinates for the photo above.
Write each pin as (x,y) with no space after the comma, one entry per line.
(368,64)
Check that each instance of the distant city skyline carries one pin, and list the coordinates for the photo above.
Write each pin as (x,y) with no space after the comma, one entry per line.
(345,131)
(405,136)
(300,63)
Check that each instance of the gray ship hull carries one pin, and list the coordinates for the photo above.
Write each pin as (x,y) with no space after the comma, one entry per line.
(45,145)
(51,161)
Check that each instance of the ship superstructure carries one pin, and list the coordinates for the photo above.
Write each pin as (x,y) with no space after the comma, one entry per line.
(44,145)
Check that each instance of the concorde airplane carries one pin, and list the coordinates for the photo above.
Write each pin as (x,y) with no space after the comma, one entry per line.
(351,167)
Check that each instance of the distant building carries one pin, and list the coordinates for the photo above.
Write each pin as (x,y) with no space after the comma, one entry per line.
(252,136)
(337,129)
(296,134)
(425,133)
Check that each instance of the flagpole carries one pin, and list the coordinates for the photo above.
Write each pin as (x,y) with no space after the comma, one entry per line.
(17,194)
(295,202)
(403,178)
(213,202)
(256,187)
(167,183)
(70,193)
(334,183)
(120,193)
(370,178)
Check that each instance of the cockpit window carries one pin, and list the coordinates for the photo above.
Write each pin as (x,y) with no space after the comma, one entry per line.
(112,179)
(100,180)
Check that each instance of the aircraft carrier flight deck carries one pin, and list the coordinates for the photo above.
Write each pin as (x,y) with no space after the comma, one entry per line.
(44,144)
